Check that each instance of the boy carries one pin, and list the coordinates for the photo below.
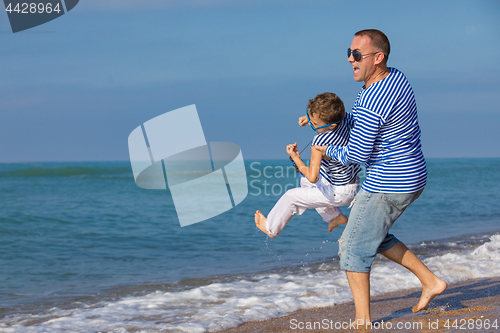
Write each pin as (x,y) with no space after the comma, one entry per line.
(326,184)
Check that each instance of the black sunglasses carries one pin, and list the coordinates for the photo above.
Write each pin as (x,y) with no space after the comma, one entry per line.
(357,55)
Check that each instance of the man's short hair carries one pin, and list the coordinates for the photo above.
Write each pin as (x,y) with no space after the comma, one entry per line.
(379,41)
(328,106)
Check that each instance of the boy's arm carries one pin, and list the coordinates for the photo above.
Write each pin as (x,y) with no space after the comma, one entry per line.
(303,120)
(311,172)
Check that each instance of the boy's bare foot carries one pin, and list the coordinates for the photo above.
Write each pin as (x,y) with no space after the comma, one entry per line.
(260,222)
(428,294)
(341,219)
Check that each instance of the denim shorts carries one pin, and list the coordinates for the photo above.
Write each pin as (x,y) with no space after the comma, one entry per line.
(367,231)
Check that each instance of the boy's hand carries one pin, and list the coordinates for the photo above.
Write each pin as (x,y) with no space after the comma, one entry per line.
(303,121)
(292,150)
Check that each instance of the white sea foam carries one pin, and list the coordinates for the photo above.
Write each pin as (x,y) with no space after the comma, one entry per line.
(221,305)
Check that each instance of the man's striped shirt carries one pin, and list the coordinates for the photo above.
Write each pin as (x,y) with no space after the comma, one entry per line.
(335,172)
(386,137)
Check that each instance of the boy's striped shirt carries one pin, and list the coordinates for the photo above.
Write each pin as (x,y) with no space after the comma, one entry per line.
(333,171)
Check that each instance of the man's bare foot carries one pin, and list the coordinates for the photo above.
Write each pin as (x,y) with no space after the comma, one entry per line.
(428,294)
(260,222)
(341,219)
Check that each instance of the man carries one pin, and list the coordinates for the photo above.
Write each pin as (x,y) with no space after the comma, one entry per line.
(386,137)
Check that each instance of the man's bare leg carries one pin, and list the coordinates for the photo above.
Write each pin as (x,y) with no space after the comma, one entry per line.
(431,284)
(360,288)
(341,219)
(260,221)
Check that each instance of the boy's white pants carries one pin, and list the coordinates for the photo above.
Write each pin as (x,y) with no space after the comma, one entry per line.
(322,196)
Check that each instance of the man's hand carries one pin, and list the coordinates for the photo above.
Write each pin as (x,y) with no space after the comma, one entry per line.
(322,149)
(303,121)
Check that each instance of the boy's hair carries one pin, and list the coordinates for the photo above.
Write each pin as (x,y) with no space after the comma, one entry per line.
(379,41)
(328,106)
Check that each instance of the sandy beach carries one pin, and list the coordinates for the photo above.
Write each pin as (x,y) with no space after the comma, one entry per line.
(468,306)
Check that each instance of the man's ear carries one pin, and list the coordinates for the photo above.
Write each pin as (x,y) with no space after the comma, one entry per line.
(332,126)
(379,57)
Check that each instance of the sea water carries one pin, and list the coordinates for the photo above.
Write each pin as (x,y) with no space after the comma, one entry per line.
(83,249)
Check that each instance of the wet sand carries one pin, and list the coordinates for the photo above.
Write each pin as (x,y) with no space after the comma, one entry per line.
(469,306)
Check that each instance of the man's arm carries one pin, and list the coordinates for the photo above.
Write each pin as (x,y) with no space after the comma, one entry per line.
(349,119)
(361,140)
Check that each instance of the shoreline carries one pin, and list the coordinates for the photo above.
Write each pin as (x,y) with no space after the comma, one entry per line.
(469,306)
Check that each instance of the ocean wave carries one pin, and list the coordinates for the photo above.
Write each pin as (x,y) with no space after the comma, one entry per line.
(76,171)
(221,305)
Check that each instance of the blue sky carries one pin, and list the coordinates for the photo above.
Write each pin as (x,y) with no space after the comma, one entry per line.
(74,88)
